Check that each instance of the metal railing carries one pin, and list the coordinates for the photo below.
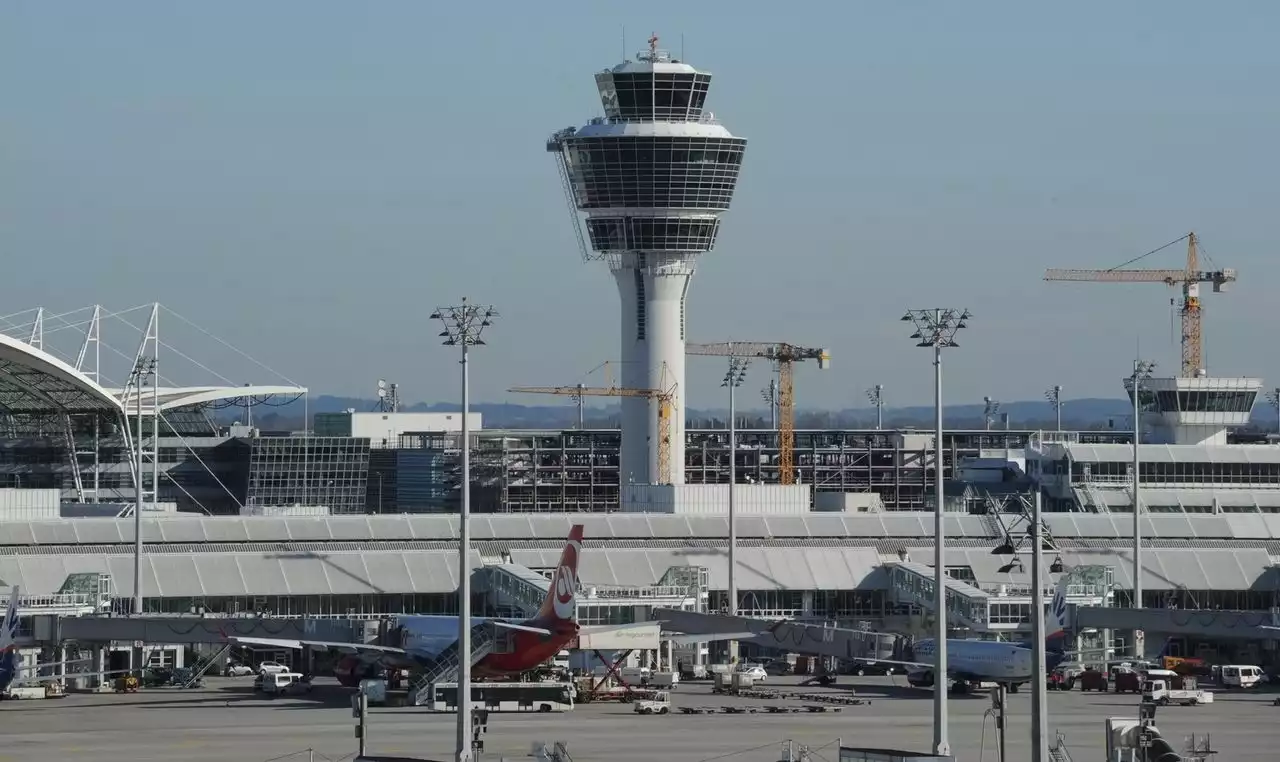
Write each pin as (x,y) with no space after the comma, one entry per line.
(657,591)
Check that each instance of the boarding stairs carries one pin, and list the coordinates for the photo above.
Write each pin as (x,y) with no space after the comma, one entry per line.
(1058,751)
(445,667)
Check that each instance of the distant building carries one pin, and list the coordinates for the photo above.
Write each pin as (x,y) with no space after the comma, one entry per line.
(385,429)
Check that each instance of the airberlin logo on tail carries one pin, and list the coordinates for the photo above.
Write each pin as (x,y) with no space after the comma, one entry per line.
(566,583)
(1059,608)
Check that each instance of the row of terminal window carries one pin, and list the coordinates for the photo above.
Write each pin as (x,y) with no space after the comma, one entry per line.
(673,159)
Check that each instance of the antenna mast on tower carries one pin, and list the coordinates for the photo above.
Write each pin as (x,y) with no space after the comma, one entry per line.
(388,397)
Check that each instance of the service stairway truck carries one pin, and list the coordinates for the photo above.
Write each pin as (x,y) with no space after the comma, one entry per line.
(1163,686)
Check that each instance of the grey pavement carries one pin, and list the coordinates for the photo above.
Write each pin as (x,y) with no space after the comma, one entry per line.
(225,721)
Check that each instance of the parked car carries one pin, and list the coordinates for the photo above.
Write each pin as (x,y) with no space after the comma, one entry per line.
(861,668)
(240,670)
(754,671)
(271,668)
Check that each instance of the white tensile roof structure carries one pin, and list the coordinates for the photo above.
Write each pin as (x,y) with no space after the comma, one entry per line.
(34,381)
(173,397)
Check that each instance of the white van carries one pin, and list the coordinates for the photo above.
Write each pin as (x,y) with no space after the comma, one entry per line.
(280,683)
(1240,675)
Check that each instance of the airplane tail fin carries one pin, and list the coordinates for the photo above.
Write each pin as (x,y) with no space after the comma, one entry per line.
(1056,624)
(8,636)
(9,628)
(561,603)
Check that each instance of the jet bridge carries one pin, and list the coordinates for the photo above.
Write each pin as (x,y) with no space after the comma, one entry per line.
(913,583)
(515,590)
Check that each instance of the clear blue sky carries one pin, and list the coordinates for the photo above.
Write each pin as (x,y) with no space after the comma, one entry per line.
(308,179)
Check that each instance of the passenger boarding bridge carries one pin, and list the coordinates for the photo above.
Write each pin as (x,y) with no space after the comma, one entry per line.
(1003,608)
(516,591)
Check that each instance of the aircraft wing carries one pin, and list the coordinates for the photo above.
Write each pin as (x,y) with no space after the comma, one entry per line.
(797,637)
(299,644)
(715,637)
(51,664)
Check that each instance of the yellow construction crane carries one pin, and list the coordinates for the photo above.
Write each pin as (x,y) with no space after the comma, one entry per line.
(1189,279)
(666,403)
(783,355)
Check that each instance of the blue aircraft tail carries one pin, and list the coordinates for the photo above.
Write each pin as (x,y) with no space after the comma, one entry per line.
(8,638)
(1056,625)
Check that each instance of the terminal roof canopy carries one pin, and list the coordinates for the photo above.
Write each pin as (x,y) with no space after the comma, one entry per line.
(172,397)
(33,381)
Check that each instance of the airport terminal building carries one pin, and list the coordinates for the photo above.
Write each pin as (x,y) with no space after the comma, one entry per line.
(293,534)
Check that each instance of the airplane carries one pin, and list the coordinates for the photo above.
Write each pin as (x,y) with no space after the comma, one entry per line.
(9,667)
(968,661)
(520,647)
(8,649)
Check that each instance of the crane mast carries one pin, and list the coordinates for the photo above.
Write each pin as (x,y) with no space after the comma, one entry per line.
(784,356)
(1189,279)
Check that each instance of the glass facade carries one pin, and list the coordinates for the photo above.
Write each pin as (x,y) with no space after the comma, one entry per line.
(330,471)
(652,234)
(651,96)
(654,172)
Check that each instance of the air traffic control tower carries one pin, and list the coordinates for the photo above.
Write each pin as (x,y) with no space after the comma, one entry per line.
(650,179)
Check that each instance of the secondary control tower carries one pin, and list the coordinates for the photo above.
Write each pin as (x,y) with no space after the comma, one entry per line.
(650,180)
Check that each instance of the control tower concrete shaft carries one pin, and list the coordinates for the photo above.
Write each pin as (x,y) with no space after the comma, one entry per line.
(648,181)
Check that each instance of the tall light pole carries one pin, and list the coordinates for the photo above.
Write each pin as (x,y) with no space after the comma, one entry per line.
(876,395)
(733,378)
(1040,541)
(1273,397)
(463,326)
(937,328)
(1054,395)
(991,407)
(143,369)
(1137,384)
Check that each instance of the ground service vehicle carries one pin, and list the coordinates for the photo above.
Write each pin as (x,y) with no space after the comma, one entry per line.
(280,683)
(1093,680)
(1240,675)
(659,704)
(1128,682)
(1164,686)
(239,670)
(506,697)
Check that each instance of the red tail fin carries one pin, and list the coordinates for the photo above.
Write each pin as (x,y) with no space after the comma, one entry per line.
(561,603)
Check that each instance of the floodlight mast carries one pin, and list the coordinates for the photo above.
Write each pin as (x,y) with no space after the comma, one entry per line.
(876,395)
(1041,540)
(937,328)
(1137,385)
(1054,396)
(733,378)
(463,326)
(991,406)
